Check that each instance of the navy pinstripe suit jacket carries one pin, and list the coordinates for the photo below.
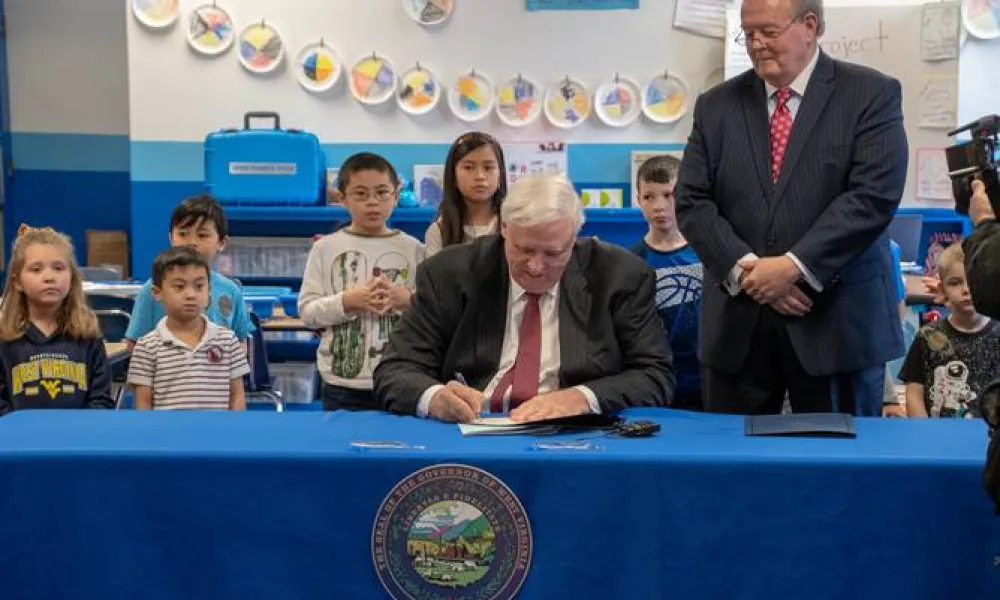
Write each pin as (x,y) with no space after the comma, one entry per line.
(610,337)
(840,185)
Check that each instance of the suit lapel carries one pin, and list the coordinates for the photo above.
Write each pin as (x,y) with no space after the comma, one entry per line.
(574,312)
(494,288)
(818,93)
(755,114)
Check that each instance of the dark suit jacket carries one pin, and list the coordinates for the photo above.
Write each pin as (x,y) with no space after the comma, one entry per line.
(610,338)
(841,181)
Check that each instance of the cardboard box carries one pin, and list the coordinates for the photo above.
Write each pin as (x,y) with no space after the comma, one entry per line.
(108,248)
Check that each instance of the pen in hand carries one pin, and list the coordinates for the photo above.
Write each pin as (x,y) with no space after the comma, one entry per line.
(484,410)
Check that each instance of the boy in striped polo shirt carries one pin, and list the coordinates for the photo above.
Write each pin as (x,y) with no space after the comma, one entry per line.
(187,361)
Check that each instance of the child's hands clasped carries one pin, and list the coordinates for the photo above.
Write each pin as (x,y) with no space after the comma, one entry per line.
(367,297)
(397,296)
(378,295)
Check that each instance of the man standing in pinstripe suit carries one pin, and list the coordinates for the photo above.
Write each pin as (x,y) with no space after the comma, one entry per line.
(791,175)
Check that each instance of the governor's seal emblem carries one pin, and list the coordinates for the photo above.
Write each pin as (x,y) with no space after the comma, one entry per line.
(451,531)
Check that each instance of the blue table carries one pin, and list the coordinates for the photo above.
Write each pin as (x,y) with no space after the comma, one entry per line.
(262,505)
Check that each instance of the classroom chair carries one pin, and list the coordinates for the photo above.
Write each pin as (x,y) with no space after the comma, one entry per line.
(114,324)
(99,274)
(110,302)
(257,383)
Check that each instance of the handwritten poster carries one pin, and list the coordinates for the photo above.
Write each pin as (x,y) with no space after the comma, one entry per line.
(535,5)
(939,102)
(703,17)
(525,159)
(939,31)
(736,59)
(933,182)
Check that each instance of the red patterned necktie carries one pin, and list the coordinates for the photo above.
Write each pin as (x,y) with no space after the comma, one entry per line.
(522,377)
(781,127)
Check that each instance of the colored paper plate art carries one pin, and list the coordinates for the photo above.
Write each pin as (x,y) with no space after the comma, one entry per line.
(519,101)
(567,103)
(210,30)
(373,79)
(618,102)
(419,91)
(261,47)
(471,98)
(429,12)
(317,67)
(665,99)
(156,14)
(982,18)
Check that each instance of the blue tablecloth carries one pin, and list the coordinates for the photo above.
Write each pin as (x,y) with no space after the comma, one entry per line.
(262,505)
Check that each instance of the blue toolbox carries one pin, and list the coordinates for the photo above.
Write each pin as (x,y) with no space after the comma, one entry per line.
(265,167)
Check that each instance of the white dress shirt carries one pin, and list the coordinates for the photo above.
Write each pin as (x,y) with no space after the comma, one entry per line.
(548,372)
(798,87)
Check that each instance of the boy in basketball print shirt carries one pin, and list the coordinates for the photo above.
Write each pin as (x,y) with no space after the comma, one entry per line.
(678,274)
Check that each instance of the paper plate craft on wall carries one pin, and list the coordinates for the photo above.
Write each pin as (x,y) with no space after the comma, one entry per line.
(519,102)
(982,18)
(471,98)
(261,47)
(419,91)
(567,103)
(618,102)
(156,14)
(373,79)
(317,67)
(210,30)
(429,12)
(665,99)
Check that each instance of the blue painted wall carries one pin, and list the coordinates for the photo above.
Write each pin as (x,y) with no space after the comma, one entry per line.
(72,182)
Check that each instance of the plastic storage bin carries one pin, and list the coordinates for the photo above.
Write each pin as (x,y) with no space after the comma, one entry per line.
(266,257)
(262,306)
(260,291)
(290,304)
(295,381)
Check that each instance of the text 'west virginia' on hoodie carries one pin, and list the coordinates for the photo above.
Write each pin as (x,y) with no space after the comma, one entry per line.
(57,371)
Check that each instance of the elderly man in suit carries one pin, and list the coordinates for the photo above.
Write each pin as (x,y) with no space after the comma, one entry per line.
(534,322)
(792,173)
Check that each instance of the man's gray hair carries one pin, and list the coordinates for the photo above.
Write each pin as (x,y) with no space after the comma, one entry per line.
(815,7)
(542,198)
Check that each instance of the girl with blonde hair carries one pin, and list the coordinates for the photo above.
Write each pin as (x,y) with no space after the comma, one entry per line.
(51,350)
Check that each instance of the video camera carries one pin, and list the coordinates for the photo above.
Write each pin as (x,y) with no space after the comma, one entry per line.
(975,159)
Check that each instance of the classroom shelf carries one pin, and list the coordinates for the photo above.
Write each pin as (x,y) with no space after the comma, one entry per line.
(274,215)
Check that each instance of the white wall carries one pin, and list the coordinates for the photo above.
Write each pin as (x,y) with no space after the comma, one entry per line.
(68,60)
(177,95)
(67,66)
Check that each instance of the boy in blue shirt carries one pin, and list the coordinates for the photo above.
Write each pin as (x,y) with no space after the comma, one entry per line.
(199,222)
(678,274)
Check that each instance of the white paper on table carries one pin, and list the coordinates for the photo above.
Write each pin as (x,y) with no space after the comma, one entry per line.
(933,182)
(494,426)
(940,24)
(736,59)
(939,102)
(703,17)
